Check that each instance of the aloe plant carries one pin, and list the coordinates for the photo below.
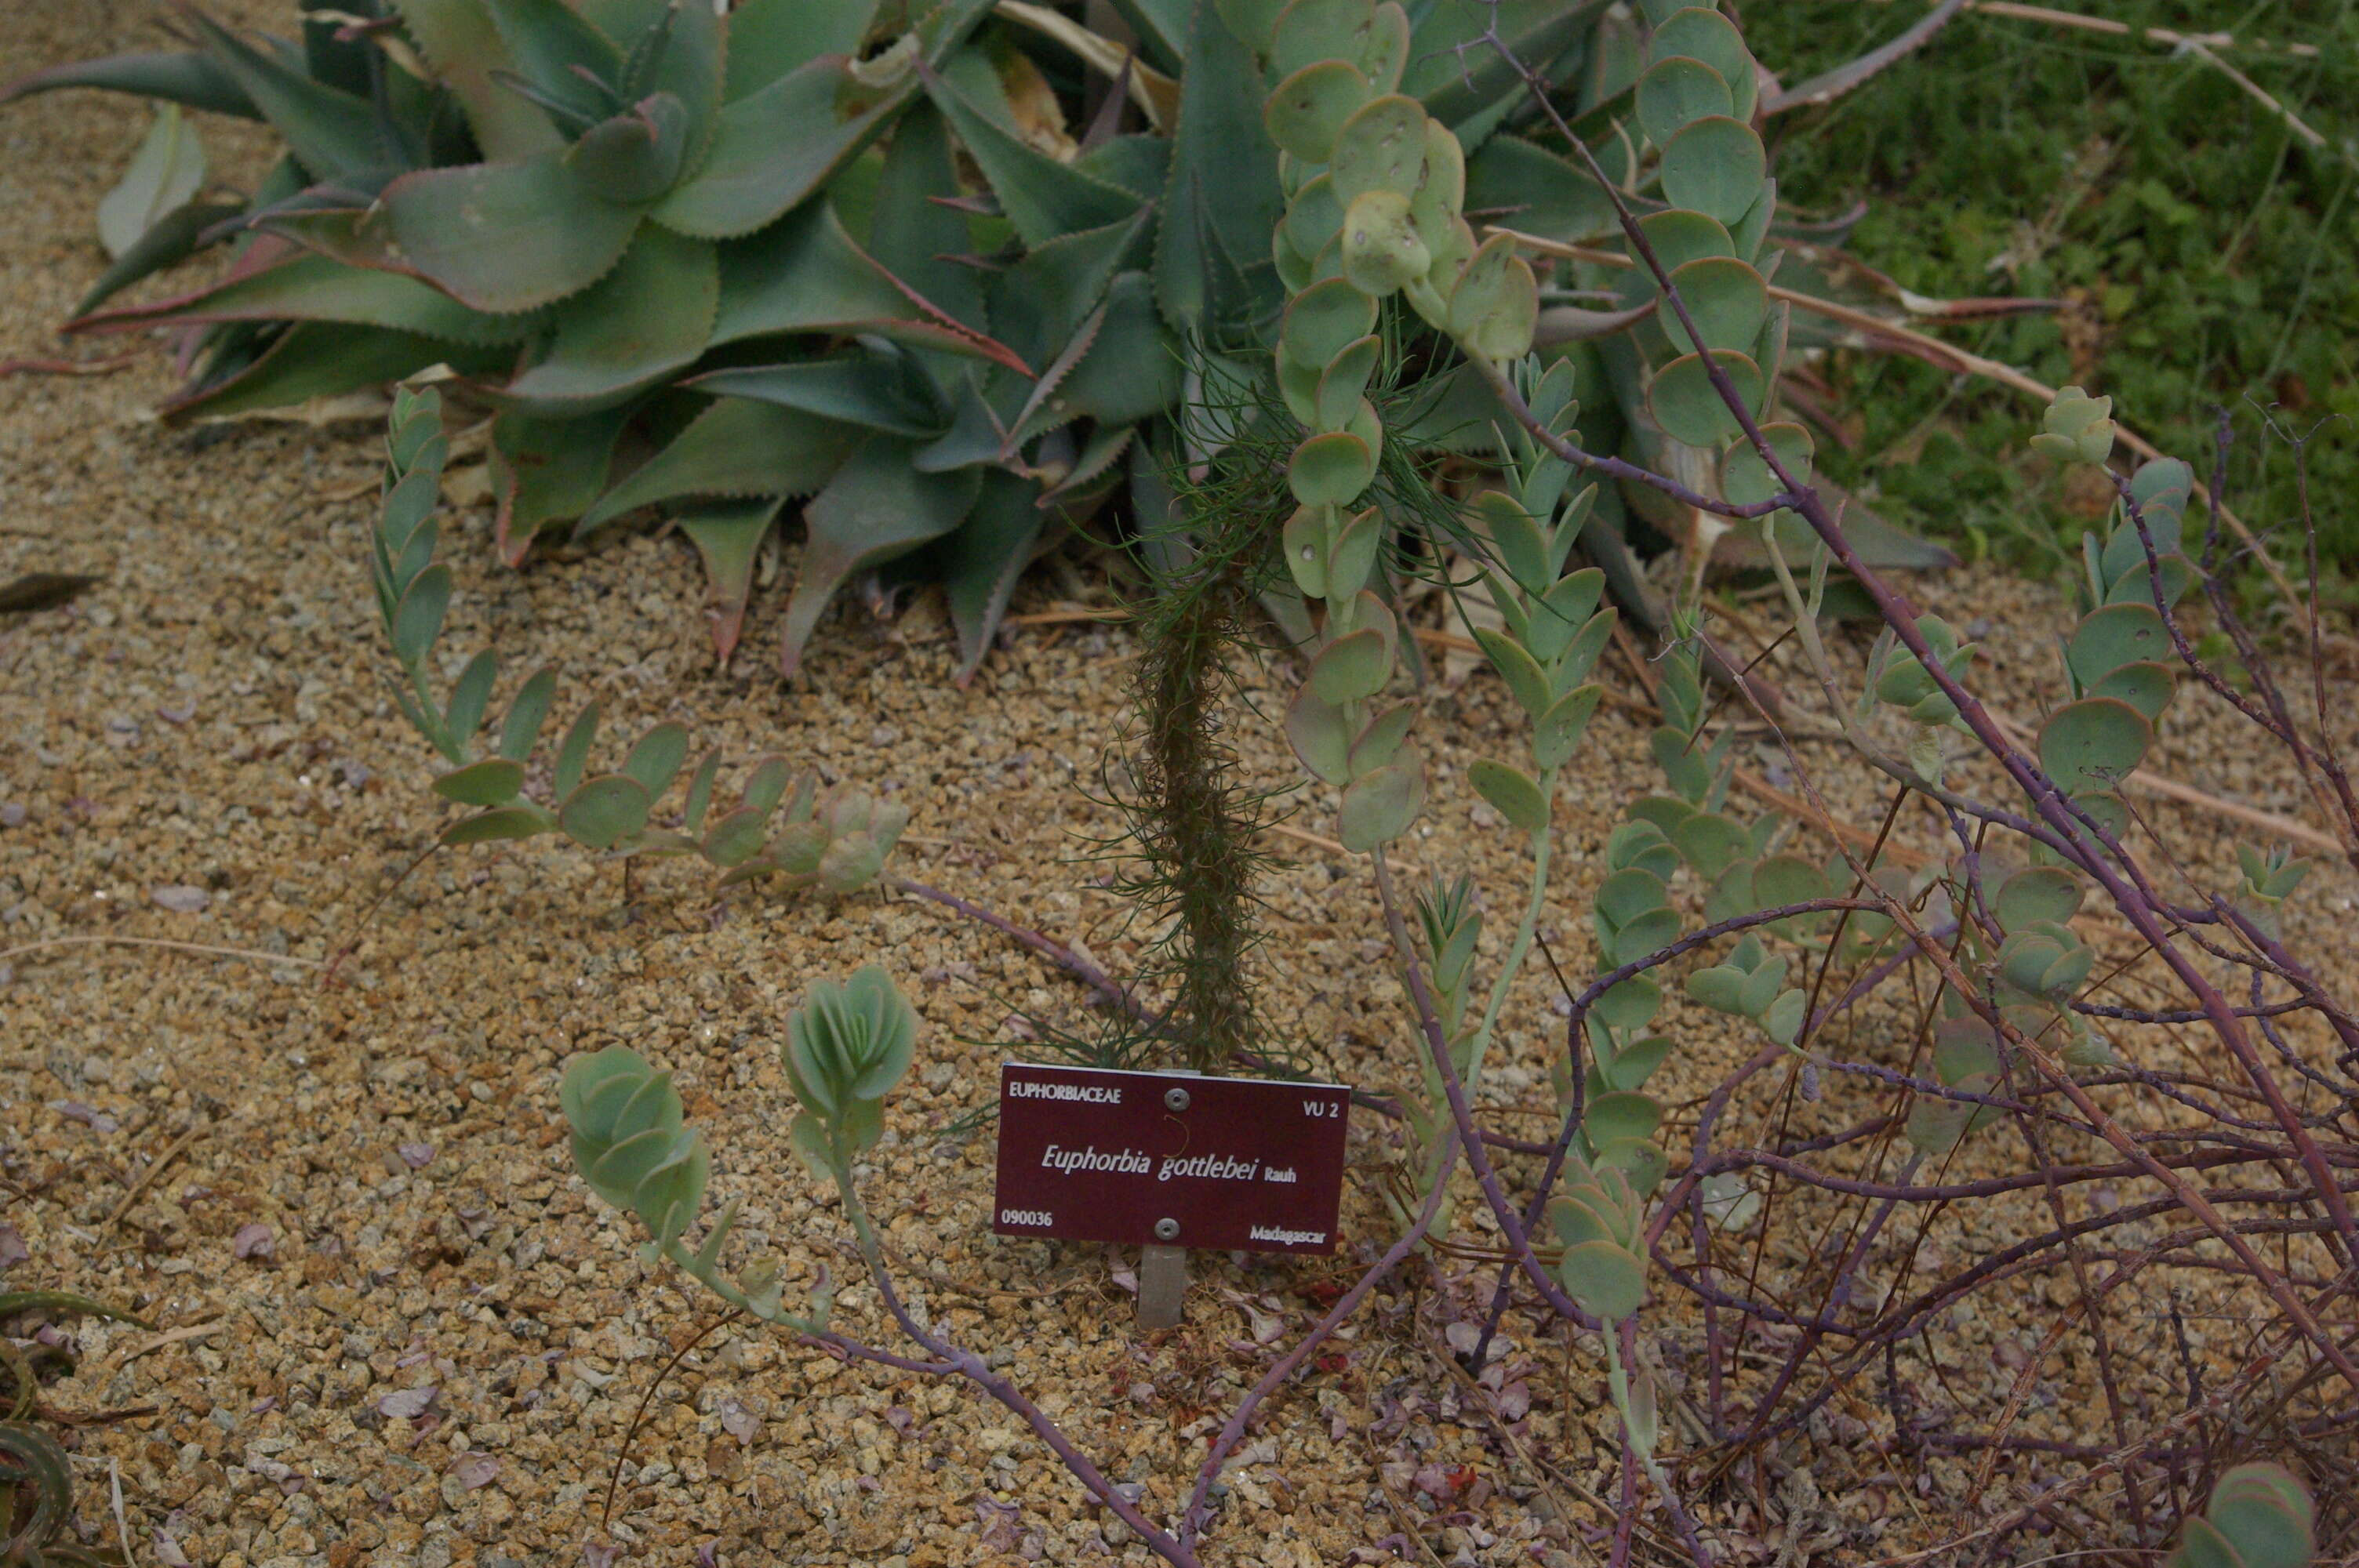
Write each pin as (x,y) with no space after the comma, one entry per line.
(718,263)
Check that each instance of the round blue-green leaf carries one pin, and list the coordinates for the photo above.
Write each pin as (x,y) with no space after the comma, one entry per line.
(1629,1004)
(1783,879)
(1331,469)
(1706,35)
(1727,299)
(1325,320)
(1628,895)
(1745,479)
(494,781)
(1677,91)
(2036,893)
(605,810)
(2093,745)
(1381,250)
(2147,686)
(1606,1281)
(2115,635)
(1714,166)
(1307,108)
(1680,236)
(1352,666)
(1690,409)
(1380,148)
(1379,807)
(1711,842)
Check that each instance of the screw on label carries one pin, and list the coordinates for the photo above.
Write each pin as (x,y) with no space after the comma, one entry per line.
(1167,1230)
(1175,1099)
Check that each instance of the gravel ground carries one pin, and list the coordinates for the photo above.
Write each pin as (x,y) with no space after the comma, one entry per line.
(392,1328)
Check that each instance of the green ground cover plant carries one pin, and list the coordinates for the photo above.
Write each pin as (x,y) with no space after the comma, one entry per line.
(2200,243)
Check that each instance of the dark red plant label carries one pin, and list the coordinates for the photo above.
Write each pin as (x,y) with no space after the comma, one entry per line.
(1096,1155)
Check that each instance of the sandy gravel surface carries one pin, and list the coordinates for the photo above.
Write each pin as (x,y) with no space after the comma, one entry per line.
(396,1329)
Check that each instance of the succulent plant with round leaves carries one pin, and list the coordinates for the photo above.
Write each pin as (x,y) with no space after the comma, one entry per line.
(2259,1515)
(837,842)
(846,1047)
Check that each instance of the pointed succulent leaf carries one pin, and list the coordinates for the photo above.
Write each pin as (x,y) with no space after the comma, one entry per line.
(1557,733)
(521,727)
(1321,736)
(644,323)
(470,695)
(573,751)
(494,781)
(165,174)
(876,507)
(506,237)
(656,760)
(1512,792)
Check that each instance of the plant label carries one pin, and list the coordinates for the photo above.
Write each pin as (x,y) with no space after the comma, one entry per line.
(1169,1159)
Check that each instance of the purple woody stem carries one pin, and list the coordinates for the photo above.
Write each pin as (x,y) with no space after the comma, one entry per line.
(1232,1431)
(2083,839)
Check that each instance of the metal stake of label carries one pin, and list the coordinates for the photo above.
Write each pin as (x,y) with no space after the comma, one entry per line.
(1163,1271)
(1162,1287)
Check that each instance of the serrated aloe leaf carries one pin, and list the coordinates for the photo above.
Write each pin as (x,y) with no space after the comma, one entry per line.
(1379,807)
(1690,408)
(770,38)
(506,237)
(521,727)
(1467,90)
(737,447)
(912,235)
(656,760)
(1223,196)
(1128,370)
(458,43)
(308,287)
(2091,745)
(470,695)
(189,78)
(169,240)
(874,390)
(805,275)
(332,133)
(549,470)
(494,781)
(1715,166)
(165,173)
(605,811)
(635,157)
(877,507)
(1041,197)
(980,560)
(648,318)
(316,358)
(499,825)
(728,537)
(573,751)
(773,148)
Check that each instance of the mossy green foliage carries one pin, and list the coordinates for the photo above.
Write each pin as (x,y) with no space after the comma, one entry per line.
(2208,248)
